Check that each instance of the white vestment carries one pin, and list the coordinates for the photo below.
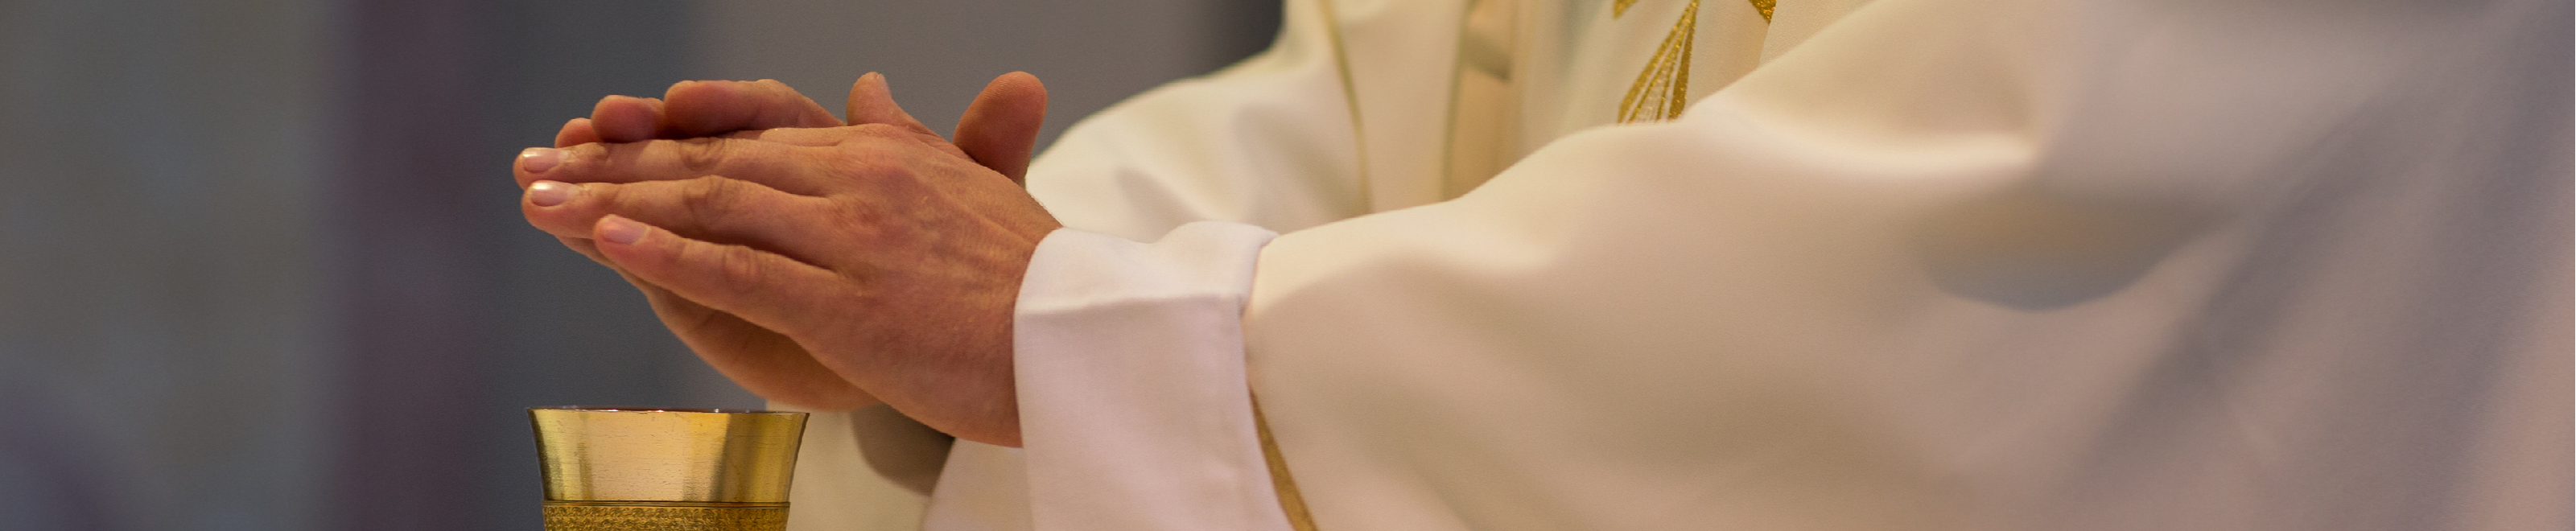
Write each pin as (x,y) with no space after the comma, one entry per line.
(1908,264)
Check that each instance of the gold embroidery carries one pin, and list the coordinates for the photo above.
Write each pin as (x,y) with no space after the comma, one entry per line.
(1763,6)
(1620,7)
(1290,501)
(1664,88)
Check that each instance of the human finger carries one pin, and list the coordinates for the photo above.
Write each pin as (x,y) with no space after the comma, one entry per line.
(774,164)
(1000,128)
(704,108)
(836,136)
(762,361)
(829,136)
(576,131)
(716,209)
(626,119)
(763,288)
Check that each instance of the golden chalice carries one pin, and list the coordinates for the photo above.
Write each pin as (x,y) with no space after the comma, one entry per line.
(626,469)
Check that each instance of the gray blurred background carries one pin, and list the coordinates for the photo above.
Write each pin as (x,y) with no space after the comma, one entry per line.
(261,264)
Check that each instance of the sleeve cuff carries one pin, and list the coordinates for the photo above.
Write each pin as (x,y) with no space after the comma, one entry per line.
(1134,409)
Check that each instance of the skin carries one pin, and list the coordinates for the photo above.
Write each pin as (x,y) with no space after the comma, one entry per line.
(818,264)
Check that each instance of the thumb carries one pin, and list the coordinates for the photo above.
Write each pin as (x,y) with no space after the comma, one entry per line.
(872,102)
(1001,128)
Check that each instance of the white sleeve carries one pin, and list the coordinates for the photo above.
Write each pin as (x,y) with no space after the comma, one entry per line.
(1271,142)
(1134,409)
(1936,269)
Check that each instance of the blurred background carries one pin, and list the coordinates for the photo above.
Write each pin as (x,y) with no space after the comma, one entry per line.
(261,262)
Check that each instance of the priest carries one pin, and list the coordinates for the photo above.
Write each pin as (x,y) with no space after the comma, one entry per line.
(1658,264)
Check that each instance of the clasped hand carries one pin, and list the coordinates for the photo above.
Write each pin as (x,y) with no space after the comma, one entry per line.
(815,263)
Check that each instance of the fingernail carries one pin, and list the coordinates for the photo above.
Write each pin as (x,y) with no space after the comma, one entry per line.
(538,160)
(550,193)
(621,231)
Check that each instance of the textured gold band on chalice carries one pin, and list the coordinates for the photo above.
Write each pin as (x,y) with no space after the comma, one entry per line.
(664,516)
(639,469)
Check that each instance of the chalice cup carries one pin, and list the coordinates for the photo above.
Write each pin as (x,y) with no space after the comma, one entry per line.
(620,469)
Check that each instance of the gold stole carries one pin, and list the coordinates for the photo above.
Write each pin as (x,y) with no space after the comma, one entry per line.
(1663,89)
(1282,483)
(1484,118)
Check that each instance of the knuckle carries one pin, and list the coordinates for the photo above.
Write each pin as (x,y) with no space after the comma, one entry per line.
(710,196)
(601,198)
(581,162)
(738,266)
(700,155)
